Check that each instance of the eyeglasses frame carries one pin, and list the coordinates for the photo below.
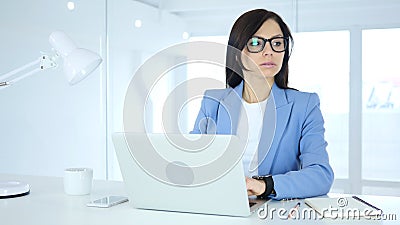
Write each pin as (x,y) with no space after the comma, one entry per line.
(286,39)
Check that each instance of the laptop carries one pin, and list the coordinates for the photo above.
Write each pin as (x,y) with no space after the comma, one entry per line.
(185,173)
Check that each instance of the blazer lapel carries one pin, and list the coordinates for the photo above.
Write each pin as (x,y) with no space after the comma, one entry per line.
(276,117)
(228,111)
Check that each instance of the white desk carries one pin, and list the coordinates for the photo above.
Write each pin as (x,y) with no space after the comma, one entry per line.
(47,204)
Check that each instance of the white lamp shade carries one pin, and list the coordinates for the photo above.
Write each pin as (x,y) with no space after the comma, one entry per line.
(62,43)
(79,64)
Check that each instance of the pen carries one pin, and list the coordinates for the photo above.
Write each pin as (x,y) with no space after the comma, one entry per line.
(367,203)
(293,210)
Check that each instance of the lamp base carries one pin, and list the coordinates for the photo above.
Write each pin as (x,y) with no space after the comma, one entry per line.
(13,189)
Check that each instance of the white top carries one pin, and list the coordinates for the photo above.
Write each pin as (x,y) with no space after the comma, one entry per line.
(253,119)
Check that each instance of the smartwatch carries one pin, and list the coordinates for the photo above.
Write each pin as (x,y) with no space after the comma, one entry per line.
(269,186)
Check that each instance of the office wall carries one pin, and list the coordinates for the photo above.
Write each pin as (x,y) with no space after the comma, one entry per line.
(45,124)
(128,48)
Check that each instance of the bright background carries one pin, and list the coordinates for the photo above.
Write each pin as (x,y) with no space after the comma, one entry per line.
(346,51)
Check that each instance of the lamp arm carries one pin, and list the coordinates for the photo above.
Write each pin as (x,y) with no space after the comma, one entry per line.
(44,62)
(23,76)
(9,74)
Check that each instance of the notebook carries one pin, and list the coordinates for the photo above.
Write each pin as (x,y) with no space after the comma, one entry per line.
(343,207)
(154,178)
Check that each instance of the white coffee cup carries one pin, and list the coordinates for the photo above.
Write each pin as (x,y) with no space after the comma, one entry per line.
(78,181)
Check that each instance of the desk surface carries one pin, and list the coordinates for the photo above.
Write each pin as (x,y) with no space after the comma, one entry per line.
(47,204)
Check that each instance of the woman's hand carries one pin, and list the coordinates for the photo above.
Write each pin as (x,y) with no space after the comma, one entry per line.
(254,187)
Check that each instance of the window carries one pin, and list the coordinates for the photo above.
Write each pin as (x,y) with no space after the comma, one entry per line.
(381,105)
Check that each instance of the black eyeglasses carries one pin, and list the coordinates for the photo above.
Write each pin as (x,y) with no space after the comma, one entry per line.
(257,44)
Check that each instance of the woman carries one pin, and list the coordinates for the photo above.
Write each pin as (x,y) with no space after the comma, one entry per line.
(286,155)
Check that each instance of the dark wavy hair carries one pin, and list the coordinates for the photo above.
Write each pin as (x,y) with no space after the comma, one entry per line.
(243,29)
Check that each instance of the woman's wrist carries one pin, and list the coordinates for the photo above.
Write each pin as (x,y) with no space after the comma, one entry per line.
(269,186)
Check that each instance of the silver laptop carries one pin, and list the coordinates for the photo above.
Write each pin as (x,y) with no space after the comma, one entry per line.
(184,173)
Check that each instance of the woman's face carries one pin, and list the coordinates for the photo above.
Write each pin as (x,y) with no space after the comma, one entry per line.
(268,61)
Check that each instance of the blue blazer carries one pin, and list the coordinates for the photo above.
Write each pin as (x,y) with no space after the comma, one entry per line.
(294,153)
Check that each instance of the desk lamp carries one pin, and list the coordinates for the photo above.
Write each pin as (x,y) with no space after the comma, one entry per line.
(78,64)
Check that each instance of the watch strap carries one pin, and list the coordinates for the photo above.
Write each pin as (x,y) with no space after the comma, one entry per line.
(269,186)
